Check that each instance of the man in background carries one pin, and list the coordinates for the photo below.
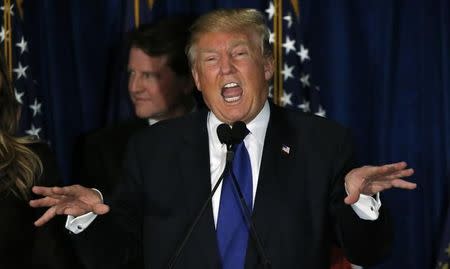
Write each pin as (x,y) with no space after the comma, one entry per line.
(160,86)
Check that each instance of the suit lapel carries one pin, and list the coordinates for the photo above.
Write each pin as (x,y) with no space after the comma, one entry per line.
(277,164)
(196,176)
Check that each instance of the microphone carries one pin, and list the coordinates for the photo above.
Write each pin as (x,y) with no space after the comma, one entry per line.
(225,137)
(239,132)
(224,134)
(231,137)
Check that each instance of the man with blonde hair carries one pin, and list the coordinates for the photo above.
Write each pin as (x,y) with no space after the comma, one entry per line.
(292,172)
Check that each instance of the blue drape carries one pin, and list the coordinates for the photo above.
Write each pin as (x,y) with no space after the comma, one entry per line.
(76,50)
(383,68)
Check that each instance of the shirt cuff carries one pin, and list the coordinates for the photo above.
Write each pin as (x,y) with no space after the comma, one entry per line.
(367,207)
(78,224)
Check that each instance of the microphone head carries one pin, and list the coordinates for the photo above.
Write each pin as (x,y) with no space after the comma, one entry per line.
(239,132)
(224,134)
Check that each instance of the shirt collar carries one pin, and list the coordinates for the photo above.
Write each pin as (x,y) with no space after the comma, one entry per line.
(152,121)
(257,126)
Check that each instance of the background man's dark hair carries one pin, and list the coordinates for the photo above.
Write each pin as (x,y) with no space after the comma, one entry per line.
(167,36)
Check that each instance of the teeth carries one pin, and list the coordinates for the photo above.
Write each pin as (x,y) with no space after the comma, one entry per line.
(232,99)
(230,85)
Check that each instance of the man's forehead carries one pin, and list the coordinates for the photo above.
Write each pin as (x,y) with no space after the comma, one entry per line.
(211,41)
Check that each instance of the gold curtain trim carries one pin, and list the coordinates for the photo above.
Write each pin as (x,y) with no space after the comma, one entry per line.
(137,13)
(150,3)
(275,56)
(278,50)
(8,38)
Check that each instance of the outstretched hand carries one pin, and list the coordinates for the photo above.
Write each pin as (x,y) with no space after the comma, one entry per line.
(370,180)
(72,200)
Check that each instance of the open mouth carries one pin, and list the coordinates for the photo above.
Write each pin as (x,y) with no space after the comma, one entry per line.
(231,92)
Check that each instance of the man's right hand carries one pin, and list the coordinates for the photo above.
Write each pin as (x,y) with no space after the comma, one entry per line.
(74,200)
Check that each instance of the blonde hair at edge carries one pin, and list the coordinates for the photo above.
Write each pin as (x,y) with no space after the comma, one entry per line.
(230,20)
(19,166)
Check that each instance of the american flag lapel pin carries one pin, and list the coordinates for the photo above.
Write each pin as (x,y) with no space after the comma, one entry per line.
(285,149)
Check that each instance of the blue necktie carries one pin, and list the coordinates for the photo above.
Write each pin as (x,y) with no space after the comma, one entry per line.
(232,228)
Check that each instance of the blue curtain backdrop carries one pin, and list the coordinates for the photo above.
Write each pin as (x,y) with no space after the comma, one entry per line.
(383,68)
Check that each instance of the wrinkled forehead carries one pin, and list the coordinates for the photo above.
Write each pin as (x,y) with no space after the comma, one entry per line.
(226,38)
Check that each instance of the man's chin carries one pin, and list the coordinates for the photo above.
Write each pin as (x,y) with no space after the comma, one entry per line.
(233,117)
(144,114)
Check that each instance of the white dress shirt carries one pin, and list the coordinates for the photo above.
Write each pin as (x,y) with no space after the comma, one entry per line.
(254,142)
(366,208)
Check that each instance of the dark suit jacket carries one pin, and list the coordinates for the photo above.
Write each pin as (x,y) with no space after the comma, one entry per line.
(22,245)
(102,153)
(299,210)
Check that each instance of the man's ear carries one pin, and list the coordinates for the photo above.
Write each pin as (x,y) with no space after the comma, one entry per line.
(268,67)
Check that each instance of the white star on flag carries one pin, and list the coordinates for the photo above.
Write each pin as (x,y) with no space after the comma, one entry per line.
(2,8)
(286,99)
(271,10)
(304,106)
(288,18)
(36,107)
(33,131)
(271,37)
(289,45)
(23,45)
(16,43)
(321,112)
(19,96)
(3,34)
(20,71)
(287,72)
(303,54)
(304,79)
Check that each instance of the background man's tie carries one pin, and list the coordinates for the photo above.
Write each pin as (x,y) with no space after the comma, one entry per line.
(232,228)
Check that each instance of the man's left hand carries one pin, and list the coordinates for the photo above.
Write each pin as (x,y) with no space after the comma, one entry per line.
(370,180)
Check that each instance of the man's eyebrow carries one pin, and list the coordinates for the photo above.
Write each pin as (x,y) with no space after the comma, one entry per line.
(150,73)
(238,43)
(207,50)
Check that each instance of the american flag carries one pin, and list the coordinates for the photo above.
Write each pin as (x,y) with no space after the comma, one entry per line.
(15,47)
(293,84)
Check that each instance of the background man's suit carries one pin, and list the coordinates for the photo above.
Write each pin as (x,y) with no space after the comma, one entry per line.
(298,211)
(102,153)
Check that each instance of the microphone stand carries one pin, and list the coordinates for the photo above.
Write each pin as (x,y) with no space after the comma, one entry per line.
(229,159)
(266,264)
